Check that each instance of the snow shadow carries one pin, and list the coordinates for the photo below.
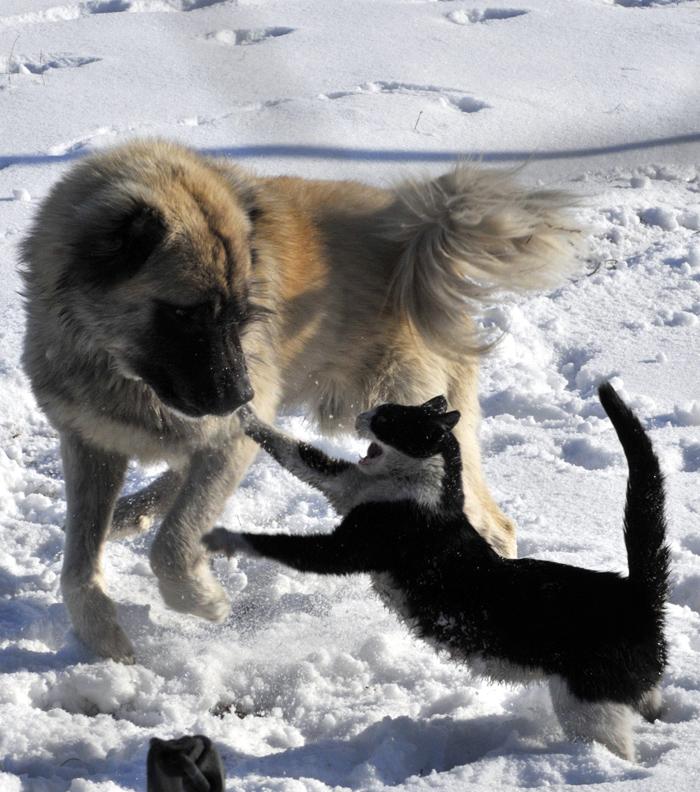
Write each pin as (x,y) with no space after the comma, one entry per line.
(387,752)
(379,155)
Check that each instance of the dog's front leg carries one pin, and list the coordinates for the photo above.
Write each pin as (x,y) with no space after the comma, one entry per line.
(177,555)
(93,478)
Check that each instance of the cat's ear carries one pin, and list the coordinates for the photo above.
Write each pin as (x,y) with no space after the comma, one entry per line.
(448,421)
(436,405)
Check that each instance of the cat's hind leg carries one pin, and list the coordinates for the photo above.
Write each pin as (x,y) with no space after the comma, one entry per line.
(650,705)
(606,722)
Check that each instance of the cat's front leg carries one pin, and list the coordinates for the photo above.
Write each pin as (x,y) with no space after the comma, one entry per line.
(324,554)
(225,542)
(335,478)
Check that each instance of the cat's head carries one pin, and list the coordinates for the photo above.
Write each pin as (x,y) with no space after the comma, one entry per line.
(416,432)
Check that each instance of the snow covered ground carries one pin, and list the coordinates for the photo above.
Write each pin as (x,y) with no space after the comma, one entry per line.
(311,685)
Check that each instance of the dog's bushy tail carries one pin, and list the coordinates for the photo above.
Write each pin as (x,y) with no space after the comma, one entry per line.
(468,235)
(645,520)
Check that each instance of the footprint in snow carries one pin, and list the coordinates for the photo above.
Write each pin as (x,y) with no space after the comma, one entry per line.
(246,36)
(72,11)
(107,6)
(119,6)
(476,15)
(22,65)
(61,149)
(453,98)
(646,3)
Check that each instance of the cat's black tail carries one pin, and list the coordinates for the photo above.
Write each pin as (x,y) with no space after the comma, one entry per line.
(645,521)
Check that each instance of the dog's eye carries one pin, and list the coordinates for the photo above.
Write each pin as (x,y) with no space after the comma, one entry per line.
(182,314)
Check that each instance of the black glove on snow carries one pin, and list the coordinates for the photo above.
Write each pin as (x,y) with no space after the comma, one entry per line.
(188,764)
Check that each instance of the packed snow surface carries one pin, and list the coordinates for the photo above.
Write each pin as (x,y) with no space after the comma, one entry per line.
(311,684)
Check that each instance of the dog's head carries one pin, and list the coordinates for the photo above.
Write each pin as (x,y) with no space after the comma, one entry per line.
(160,271)
(412,433)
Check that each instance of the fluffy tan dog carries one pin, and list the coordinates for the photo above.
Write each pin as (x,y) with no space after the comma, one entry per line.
(165,289)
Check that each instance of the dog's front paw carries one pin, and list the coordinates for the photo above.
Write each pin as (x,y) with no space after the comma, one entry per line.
(195,591)
(95,621)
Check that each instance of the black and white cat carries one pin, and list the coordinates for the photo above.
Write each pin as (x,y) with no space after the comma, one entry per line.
(597,636)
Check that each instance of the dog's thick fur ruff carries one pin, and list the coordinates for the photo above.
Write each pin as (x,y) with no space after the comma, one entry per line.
(598,637)
(163,288)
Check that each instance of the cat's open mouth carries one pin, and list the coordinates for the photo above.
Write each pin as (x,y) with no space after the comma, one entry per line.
(373,453)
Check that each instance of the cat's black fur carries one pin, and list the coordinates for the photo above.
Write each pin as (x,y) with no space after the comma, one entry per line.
(597,635)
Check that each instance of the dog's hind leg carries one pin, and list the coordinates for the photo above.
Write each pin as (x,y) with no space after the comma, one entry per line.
(178,558)
(93,478)
(606,722)
(135,513)
(482,510)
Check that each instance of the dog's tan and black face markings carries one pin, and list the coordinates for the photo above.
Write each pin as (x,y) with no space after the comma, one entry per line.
(115,251)
(192,357)
(187,344)
(191,353)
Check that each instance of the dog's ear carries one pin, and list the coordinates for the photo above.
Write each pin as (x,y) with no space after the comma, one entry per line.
(436,405)
(448,421)
(116,248)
